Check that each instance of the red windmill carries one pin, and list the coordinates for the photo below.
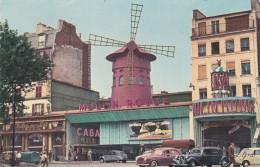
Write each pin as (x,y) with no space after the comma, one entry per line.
(131,64)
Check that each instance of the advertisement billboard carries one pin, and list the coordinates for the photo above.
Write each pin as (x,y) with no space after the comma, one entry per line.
(150,130)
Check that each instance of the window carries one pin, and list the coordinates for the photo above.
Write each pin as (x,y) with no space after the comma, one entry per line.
(233,91)
(246,90)
(257,152)
(245,66)
(38,91)
(174,152)
(215,48)
(213,66)
(203,93)
(202,72)
(131,79)
(244,44)
(121,80)
(202,28)
(231,68)
(141,80)
(41,41)
(114,81)
(37,109)
(202,50)
(148,81)
(229,46)
(215,27)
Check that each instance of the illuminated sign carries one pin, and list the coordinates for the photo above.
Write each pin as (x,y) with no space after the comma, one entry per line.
(223,107)
(130,104)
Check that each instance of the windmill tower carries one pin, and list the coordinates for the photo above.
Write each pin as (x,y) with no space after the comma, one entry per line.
(131,64)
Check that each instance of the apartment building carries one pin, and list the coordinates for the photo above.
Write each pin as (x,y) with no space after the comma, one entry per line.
(226,43)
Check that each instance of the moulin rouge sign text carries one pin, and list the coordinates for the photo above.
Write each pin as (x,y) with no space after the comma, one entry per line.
(223,107)
(130,104)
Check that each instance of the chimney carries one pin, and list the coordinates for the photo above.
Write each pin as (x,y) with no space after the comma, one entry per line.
(41,28)
(198,15)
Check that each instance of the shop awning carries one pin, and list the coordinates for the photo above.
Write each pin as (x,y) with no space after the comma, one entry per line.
(128,115)
(257,132)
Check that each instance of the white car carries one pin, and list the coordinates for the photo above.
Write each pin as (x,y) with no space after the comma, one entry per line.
(248,156)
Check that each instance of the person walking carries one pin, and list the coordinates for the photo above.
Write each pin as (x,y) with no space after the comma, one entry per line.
(44,159)
(50,156)
(224,150)
(75,155)
(7,157)
(231,155)
(89,156)
(69,155)
(18,158)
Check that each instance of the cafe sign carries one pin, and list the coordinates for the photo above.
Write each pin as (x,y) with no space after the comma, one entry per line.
(223,106)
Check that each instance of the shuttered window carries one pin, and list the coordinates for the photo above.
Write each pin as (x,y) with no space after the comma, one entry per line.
(202,72)
(213,66)
(202,28)
(38,91)
(237,23)
(231,68)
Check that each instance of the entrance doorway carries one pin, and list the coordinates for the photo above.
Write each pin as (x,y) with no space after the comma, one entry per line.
(222,133)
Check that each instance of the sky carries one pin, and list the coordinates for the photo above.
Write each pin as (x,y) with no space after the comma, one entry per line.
(163,22)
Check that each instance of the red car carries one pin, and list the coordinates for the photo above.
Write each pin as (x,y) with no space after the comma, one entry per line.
(159,157)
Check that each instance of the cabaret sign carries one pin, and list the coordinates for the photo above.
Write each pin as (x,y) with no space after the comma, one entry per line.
(223,107)
(130,104)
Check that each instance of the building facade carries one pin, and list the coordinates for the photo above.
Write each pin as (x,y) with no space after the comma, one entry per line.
(232,39)
(128,128)
(69,85)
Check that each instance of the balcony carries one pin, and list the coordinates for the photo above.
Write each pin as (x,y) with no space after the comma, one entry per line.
(232,26)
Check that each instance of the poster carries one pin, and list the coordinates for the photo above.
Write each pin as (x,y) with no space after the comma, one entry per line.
(150,130)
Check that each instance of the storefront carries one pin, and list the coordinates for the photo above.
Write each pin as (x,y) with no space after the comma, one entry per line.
(128,129)
(220,121)
(39,133)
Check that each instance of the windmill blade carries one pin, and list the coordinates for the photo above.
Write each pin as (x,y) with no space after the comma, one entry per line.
(97,40)
(136,11)
(159,49)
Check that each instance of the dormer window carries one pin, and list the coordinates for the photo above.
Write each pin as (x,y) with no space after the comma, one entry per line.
(41,41)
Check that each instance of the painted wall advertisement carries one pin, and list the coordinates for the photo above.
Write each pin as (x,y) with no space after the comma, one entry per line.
(85,134)
(150,130)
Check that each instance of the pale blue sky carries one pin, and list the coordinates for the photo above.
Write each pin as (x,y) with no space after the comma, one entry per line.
(163,22)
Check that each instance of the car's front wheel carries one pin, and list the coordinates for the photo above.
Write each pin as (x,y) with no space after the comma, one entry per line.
(192,164)
(224,163)
(101,160)
(153,164)
(245,164)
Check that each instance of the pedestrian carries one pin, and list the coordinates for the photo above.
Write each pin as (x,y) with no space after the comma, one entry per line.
(75,155)
(89,156)
(50,156)
(231,154)
(69,155)
(7,157)
(44,159)
(224,151)
(18,158)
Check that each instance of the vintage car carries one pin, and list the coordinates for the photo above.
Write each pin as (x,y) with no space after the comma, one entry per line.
(159,157)
(248,156)
(31,157)
(203,156)
(148,152)
(113,156)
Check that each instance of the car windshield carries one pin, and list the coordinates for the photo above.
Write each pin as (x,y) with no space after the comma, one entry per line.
(243,151)
(196,151)
(157,152)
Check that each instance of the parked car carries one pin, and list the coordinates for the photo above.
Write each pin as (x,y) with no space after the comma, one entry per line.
(114,155)
(203,156)
(248,156)
(159,157)
(148,152)
(31,157)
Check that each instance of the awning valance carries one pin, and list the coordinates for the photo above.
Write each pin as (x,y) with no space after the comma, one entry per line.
(128,115)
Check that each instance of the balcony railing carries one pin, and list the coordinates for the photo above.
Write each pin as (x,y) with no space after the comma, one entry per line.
(222,28)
